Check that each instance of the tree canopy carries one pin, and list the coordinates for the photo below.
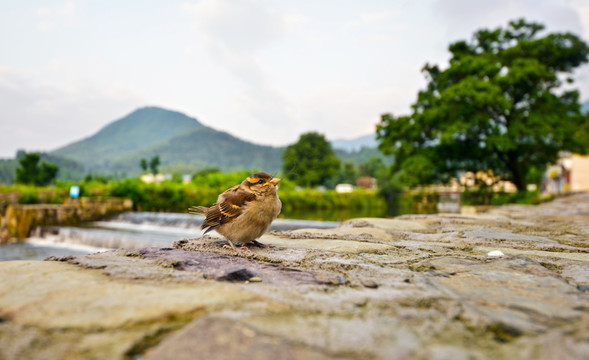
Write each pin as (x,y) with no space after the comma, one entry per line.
(143,164)
(31,172)
(310,161)
(500,105)
(154,164)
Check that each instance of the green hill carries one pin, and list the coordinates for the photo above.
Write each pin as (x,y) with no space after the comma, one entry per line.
(181,142)
(142,128)
(206,147)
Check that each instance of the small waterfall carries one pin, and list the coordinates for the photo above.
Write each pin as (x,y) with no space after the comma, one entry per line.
(111,237)
(167,220)
(134,230)
(190,221)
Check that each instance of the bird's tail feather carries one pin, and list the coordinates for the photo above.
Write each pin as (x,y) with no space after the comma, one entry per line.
(199,210)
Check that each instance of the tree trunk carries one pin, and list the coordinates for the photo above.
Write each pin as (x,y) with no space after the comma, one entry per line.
(517,173)
(519,182)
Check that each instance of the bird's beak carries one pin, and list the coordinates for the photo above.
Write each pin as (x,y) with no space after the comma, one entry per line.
(275,181)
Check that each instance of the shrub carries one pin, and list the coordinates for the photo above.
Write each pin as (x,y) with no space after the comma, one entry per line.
(29,197)
(520,197)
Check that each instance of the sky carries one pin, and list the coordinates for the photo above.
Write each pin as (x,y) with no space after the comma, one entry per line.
(264,71)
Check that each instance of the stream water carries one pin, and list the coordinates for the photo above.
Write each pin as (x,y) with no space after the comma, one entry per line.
(127,230)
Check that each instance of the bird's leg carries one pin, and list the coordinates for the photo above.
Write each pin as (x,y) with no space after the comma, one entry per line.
(242,247)
(259,244)
(232,246)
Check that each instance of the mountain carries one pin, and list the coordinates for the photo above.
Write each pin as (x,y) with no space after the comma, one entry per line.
(141,129)
(356,144)
(180,141)
(206,147)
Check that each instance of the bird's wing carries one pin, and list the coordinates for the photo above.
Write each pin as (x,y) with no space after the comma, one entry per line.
(199,210)
(229,206)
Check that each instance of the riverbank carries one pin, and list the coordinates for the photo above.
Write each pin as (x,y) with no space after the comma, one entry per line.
(512,282)
(17,220)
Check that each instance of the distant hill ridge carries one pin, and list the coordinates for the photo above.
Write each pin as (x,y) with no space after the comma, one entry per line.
(179,140)
(140,129)
(356,144)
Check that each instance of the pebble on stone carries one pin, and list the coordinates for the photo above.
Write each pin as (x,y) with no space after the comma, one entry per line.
(495,253)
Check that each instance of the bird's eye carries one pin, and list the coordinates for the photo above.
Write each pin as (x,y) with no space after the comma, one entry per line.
(261,182)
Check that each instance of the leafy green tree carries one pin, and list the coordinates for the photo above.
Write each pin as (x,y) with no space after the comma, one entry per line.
(28,168)
(31,172)
(47,174)
(154,164)
(310,161)
(348,172)
(143,165)
(500,105)
(374,167)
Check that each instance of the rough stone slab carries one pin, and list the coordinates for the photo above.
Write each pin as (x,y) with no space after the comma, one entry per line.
(338,246)
(344,233)
(435,220)
(516,294)
(79,306)
(579,273)
(577,256)
(386,224)
(217,338)
(230,268)
(44,299)
(495,234)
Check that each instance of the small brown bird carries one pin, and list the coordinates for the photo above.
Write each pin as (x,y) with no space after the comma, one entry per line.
(244,212)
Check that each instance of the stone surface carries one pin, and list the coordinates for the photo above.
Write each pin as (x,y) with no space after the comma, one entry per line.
(386,224)
(70,311)
(414,287)
(218,338)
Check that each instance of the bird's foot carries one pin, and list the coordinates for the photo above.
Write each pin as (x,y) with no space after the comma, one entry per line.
(232,247)
(259,244)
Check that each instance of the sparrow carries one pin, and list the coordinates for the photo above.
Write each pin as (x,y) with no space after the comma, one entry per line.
(243,212)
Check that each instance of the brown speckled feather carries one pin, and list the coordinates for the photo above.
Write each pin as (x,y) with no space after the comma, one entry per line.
(229,206)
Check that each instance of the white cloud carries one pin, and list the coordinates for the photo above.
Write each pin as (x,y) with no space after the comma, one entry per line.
(235,33)
(347,109)
(46,116)
(237,26)
(61,15)
(368,19)
(584,15)
(463,17)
